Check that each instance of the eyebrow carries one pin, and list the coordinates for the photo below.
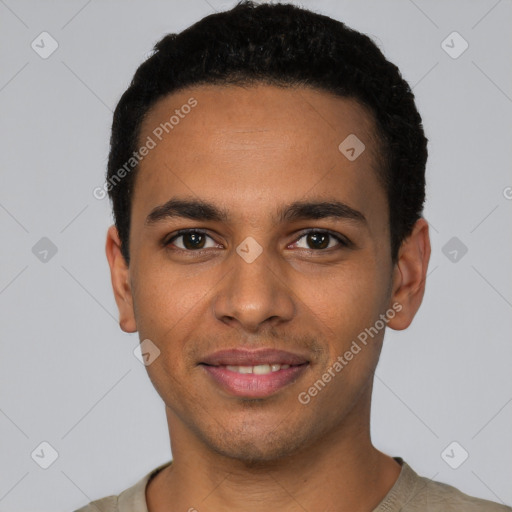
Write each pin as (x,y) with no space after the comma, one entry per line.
(199,210)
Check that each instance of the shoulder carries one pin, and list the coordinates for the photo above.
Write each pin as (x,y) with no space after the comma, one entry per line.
(132,499)
(437,496)
(107,504)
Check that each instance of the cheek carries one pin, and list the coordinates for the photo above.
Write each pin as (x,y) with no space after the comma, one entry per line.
(167,309)
(345,299)
(343,306)
(165,302)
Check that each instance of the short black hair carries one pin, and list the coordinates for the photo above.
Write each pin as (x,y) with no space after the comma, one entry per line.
(284,45)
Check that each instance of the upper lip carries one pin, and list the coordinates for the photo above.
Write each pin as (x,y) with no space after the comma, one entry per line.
(244,357)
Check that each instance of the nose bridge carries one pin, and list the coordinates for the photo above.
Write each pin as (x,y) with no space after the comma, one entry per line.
(254,292)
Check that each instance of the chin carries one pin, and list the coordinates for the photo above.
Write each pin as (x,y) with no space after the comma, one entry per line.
(255,444)
(255,453)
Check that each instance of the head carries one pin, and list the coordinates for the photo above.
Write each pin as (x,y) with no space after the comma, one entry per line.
(295,151)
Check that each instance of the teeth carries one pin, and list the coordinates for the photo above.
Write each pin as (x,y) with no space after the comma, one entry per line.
(260,369)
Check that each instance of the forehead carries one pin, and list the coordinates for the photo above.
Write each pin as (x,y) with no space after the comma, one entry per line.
(256,146)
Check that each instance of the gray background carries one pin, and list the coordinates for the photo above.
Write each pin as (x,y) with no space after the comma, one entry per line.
(68,375)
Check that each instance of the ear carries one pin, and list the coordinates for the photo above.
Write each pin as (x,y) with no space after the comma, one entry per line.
(120,277)
(409,275)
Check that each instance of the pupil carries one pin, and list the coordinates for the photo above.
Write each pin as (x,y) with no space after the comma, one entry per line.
(315,238)
(196,239)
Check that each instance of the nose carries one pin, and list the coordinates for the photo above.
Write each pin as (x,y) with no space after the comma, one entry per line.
(254,294)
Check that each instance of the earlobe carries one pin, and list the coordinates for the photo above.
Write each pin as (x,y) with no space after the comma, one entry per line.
(120,278)
(409,275)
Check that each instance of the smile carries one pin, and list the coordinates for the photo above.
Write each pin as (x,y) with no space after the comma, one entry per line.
(260,369)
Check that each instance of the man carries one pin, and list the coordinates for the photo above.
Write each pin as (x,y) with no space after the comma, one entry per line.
(267,178)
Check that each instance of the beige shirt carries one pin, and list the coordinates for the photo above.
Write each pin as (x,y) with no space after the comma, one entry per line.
(410,493)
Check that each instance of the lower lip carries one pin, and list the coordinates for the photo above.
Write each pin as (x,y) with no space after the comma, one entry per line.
(250,385)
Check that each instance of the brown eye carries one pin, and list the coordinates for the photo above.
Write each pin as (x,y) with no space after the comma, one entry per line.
(193,241)
(190,240)
(320,240)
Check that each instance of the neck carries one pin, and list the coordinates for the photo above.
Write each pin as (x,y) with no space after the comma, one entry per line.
(342,471)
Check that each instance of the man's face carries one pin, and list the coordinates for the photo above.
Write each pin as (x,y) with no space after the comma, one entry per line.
(256,279)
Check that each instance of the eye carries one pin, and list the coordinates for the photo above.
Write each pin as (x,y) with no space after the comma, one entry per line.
(191,240)
(321,240)
(194,240)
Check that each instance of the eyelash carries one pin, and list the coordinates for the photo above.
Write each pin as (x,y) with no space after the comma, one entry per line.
(343,242)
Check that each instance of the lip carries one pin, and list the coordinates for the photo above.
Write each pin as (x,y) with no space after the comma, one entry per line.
(252,385)
(243,357)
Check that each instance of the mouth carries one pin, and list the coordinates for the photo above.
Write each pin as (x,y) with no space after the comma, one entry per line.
(259,369)
(254,374)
